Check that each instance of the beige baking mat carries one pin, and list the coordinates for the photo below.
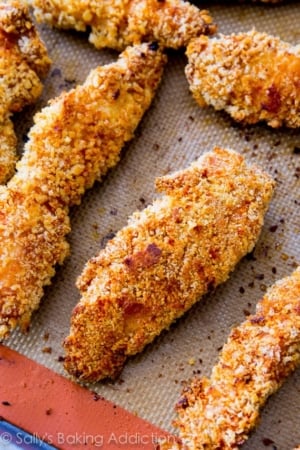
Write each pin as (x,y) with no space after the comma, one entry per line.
(172,134)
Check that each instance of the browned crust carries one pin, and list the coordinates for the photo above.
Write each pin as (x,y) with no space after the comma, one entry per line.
(74,141)
(252,76)
(168,256)
(23,61)
(219,413)
(116,24)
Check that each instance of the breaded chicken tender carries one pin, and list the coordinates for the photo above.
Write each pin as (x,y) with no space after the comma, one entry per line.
(23,62)
(168,256)
(219,412)
(75,140)
(252,76)
(118,23)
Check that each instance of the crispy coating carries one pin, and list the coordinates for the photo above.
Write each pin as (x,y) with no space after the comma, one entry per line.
(8,145)
(219,412)
(23,62)
(183,245)
(74,141)
(118,23)
(252,76)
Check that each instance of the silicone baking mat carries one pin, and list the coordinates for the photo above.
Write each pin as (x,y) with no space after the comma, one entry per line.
(174,132)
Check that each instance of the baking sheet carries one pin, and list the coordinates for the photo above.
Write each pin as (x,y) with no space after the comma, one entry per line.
(174,132)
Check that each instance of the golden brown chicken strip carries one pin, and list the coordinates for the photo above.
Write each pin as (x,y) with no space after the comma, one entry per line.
(252,76)
(183,245)
(23,61)
(219,413)
(118,23)
(74,141)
